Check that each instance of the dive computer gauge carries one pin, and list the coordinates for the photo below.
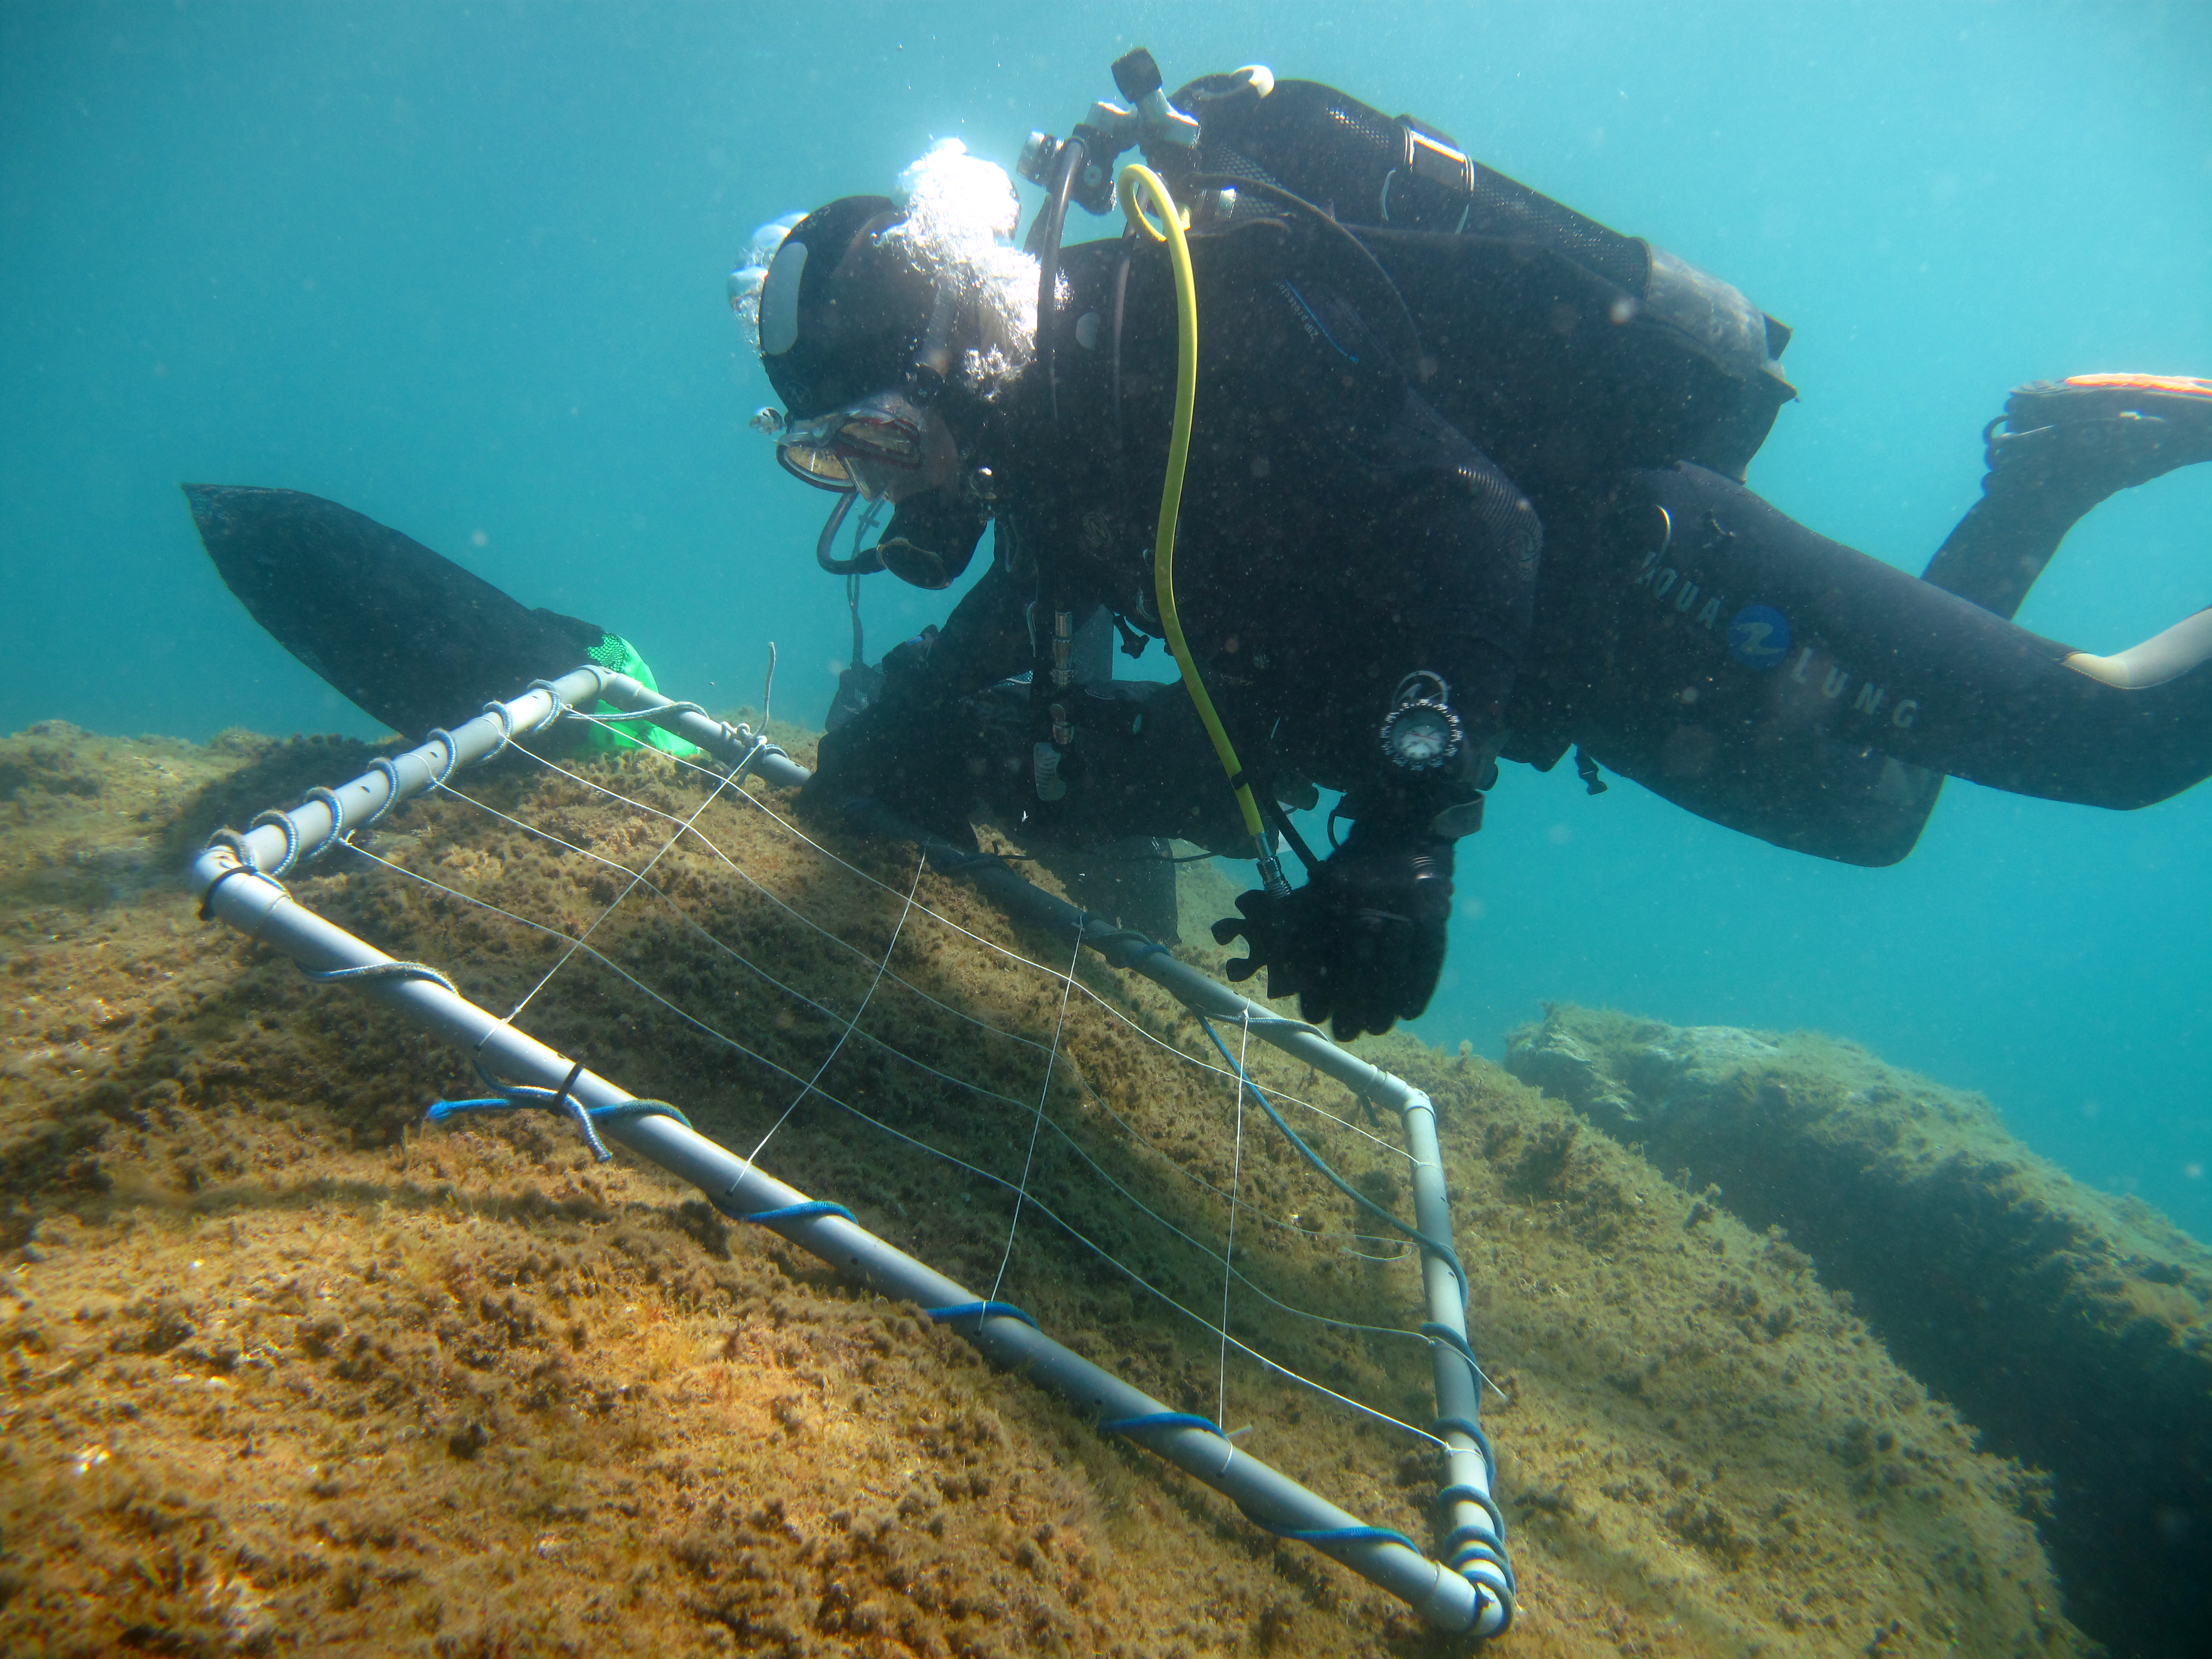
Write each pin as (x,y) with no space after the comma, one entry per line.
(1421,732)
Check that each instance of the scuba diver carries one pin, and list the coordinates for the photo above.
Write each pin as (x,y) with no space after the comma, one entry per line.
(1416,470)
(1463,483)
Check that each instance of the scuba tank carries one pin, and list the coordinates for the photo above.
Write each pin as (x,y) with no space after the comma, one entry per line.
(1557,345)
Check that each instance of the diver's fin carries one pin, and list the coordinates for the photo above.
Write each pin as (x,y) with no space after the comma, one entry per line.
(409,637)
(2094,433)
(2060,447)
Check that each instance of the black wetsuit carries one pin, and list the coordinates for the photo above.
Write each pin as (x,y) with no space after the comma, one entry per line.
(1696,638)
(1336,535)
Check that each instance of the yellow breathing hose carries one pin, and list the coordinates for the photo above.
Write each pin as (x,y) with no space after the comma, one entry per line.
(1134,178)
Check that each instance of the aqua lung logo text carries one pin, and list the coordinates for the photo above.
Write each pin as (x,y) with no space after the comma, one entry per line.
(1834,680)
(1759,637)
(1669,587)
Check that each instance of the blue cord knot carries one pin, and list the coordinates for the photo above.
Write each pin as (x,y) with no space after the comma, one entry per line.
(517,1096)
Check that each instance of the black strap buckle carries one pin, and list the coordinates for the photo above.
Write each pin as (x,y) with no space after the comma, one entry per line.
(1432,188)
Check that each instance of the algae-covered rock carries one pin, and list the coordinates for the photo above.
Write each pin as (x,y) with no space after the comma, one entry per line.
(287,1371)
(2069,1326)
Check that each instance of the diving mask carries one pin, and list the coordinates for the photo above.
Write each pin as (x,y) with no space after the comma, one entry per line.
(864,446)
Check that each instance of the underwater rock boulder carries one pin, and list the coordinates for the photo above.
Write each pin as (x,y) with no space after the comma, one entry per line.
(1668,1064)
(2069,1326)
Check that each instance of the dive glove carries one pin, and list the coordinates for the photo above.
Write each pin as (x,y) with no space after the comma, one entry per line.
(1362,944)
(903,751)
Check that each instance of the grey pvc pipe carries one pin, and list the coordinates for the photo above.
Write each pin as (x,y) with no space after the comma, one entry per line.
(371,795)
(1476,1598)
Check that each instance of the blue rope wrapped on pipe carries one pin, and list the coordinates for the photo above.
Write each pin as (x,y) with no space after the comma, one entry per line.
(381,765)
(1470,1542)
(330,803)
(521,1097)
(380,970)
(1335,1534)
(980,1311)
(1468,1546)
(283,822)
(1159,1420)
(807,1212)
(1467,1543)
(441,1109)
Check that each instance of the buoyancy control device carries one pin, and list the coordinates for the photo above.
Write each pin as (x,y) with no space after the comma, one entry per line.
(1559,345)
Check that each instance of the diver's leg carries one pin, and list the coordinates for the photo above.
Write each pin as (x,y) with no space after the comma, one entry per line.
(1659,649)
(1772,679)
(2066,446)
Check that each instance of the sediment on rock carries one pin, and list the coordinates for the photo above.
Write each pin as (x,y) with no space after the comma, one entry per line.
(2069,1326)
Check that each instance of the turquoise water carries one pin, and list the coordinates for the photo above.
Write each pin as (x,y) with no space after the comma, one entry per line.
(461,269)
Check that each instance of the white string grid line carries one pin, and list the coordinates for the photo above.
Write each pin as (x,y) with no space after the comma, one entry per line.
(1138,1151)
(1400,1250)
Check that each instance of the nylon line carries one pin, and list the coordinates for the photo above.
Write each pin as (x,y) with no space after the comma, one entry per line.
(977,1171)
(921,864)
(720,784)
(1112,1011)
(1029,1158)
(1305,1235)
(1229,1251)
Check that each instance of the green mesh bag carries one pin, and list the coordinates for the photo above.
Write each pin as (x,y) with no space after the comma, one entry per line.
(618,653)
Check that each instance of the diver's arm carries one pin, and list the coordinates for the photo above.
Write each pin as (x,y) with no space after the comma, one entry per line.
(1446,571)
(1434,630)
(910,747)
(984,641)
